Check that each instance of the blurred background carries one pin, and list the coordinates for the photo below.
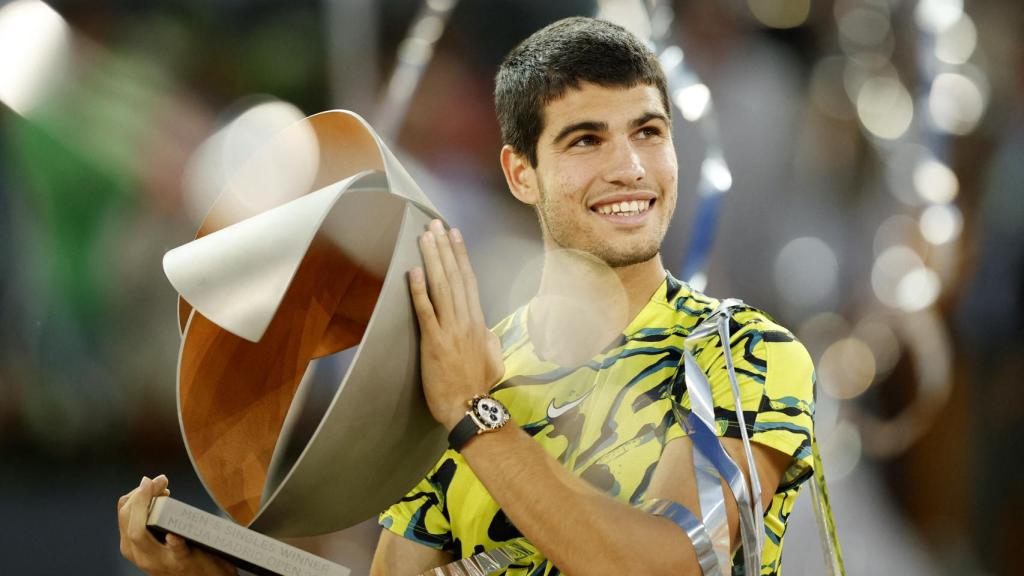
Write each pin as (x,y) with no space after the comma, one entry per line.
(855,167)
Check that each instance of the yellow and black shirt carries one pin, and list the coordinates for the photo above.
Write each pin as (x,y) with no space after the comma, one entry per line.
(608,420)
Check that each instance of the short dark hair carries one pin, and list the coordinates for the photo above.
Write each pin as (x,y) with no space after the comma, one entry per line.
(559,57)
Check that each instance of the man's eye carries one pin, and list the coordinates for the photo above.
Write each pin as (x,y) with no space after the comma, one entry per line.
(649,131)
(584,142)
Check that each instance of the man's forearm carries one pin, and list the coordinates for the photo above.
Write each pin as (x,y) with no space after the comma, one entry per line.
(578,528)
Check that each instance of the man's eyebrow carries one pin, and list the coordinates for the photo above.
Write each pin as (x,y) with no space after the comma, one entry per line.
(586,125)
(595,126)
(636,123)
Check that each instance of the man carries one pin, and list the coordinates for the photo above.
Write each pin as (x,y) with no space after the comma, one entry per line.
(590,369)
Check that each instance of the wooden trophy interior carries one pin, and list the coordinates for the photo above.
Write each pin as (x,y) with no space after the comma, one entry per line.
(234,394)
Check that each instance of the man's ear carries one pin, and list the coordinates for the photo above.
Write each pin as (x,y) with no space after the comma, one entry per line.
(520,175)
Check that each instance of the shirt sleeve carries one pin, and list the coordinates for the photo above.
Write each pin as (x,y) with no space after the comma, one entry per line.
(421,515)
(775,376)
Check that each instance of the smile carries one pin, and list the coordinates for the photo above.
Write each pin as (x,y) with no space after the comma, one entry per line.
(624,211)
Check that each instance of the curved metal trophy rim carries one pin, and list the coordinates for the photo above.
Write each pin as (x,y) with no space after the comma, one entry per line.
(418,198)
(346,185)
(409,192)
(392,277)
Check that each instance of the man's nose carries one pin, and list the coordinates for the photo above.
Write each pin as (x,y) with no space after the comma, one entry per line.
(624,165)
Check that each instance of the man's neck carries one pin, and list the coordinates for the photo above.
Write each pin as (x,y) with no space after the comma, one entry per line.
(640,281)
(582,304)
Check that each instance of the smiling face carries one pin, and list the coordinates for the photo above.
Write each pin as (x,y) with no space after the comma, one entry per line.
(605,179)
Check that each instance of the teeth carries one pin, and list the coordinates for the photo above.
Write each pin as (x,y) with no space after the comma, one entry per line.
(630,208)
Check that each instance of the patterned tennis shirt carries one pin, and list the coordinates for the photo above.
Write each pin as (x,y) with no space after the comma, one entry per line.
(609,419)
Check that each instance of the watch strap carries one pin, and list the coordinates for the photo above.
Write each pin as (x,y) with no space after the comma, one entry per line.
(463,432)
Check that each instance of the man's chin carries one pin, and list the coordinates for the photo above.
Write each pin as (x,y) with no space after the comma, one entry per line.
(641,250)
(625,260)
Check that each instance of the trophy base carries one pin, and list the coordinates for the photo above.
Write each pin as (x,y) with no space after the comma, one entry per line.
(245,548)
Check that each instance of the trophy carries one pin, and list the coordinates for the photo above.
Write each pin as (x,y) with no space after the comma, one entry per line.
(272,282)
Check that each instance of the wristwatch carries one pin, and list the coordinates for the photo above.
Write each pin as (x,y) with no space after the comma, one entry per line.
(485,414)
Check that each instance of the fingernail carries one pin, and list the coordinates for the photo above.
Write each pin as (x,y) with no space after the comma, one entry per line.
(437,227)
(142,483)
(456,235)
(416,274)
(428,237)
(164,476)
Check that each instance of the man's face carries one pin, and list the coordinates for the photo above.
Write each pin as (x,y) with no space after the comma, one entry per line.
(606,173)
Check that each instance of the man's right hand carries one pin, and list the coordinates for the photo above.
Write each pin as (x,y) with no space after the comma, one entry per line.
(140,547)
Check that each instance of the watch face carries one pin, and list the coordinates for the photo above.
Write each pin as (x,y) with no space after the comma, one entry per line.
(490,412)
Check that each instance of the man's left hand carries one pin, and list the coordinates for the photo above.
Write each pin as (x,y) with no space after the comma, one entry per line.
(459,356)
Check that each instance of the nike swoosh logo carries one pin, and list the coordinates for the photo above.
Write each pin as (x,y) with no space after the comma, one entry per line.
(556,411)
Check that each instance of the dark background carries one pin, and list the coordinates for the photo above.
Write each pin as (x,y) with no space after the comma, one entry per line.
(906,289)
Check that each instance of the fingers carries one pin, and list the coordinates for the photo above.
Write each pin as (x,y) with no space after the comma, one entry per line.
(175,542)
(135,513)
(124,499)
(140,546)
(159,485)
(178,547)
(451,270)
(476,313)
(122,523)
(421,301)
(437,281)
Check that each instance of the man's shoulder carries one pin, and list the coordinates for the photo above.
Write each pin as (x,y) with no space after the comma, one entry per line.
(754,334)
(747,318)
(691,308)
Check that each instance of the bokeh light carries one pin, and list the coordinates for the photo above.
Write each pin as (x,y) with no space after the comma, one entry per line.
(866,28)
(901,160)
(863,66)
(629,14)
(918,289)
(867,25)
(885,107)
(692,101)
(956,103)
(230,156)
(956,44)
(441,5)
(898,229)
(935,182)
(941,223)
(714,170)
(698,281)
(938,15)
(780,13)
(889,270)
(806,272)
(847,368)
(821,330)
(876,331)
(671,57)
(35,49)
